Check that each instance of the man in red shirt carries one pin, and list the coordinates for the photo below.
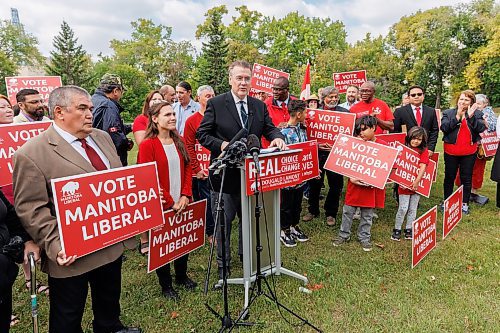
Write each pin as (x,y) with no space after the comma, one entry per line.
(369,105)
(201,189)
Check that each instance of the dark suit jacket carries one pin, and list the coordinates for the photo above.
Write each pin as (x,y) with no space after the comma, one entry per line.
(221,122)
(36,163)
(404,116)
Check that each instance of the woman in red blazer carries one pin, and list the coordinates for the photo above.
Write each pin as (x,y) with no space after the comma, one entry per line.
(163,145)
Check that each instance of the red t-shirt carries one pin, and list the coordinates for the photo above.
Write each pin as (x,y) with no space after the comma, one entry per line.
(382,110)
(140,123)
(464,145)
(365,196)
(190,128)
(424,158)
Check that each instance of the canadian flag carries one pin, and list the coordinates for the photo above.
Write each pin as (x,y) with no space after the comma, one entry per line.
(306,85)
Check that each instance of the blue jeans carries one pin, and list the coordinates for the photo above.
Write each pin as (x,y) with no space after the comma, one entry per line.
(201,191)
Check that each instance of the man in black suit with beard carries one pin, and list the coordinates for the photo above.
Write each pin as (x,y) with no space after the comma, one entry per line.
(417,114)
(225,116)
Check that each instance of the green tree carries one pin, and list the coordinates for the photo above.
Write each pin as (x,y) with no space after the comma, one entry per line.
(152,51)
(213,60)
(68,59)
(429,49)
(18,49)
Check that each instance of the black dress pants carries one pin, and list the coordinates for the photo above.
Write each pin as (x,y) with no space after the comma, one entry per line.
(68,297)
(335,184)
(180,268)
(8,274)
(463,164)
(291,206)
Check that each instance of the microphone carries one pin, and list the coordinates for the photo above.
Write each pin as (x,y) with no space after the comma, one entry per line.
(231,147)
(253,145)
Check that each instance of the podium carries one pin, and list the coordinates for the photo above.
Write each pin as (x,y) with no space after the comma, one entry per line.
(277,170)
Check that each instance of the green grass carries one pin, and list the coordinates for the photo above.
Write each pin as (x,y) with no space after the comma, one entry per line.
(454,289)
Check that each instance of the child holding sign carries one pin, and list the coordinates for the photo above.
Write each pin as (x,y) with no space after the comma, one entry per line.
(291,197)
(408,199)
(360,194)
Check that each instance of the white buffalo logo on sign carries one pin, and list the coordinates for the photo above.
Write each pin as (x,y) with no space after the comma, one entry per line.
(13,82)
(70,188)
(400,150)
(343,140)
(311,114)
(257,68)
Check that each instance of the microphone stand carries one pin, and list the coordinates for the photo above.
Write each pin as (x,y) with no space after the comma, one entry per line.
(225,318)
(259,276)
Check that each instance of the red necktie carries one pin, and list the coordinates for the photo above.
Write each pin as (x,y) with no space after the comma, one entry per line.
(94,158)
(418,115)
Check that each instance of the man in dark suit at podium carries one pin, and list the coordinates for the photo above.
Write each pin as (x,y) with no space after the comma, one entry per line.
(417,114)
(225,116)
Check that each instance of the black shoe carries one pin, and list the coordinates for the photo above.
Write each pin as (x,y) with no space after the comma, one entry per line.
(171,294)
(396,235)
(408,234)
(130,330)
(187,283)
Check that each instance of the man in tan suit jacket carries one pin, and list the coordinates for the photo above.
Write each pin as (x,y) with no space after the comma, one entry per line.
(59,152)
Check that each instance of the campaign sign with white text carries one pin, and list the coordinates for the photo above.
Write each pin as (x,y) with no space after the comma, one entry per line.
(43,84)
(203,157)
(452,211)
(489,140)
(308,158)
(424,236)
(181,234)
(324,126)
(392,138)
(407,167)
(367,161)
(342,81)
(12,137)
(263,77)
(277,170)
(435,157)
(99,209)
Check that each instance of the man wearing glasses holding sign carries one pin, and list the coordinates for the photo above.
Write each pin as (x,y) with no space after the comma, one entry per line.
(31,104)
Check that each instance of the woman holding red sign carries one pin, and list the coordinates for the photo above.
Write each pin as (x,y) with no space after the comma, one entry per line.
(461,128)
(163,145)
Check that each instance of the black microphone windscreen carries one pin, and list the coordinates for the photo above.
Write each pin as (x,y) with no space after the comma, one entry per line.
(241,134)
(253,144)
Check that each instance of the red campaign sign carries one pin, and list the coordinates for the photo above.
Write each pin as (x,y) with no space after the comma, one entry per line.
(489,140)
(424,236)
(392,138)
(180,235)
(407,170)
(452,211)
(435,157)
(263,77)
(12,137)
(277,170)
(368,161)
(99,209)
(254,92)
(203,157)
(324,126)
(342,81)
(308,158)
(43,84)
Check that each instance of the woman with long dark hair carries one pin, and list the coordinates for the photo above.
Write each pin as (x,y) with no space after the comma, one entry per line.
(163,145)
(461,128)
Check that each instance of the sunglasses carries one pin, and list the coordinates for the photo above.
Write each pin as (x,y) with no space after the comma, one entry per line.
(416,94)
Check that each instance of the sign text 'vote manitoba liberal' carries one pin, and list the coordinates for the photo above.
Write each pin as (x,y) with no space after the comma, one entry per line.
(12,137)
(181,234)
(99,209)
(424,236)
(367,161)
(342,81)
(324,126)
(43,84)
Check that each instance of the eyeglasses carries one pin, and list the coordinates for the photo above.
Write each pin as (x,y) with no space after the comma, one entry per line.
(364,91)
(279,89)
(243,79)
(416,94)
(35,101)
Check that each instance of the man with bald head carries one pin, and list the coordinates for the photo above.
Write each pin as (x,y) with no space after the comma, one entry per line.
(168,93)
(369,105)
(277,104)
(69,147)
